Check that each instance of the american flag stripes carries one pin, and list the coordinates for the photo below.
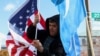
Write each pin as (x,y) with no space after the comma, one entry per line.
(19,49)
(18,43)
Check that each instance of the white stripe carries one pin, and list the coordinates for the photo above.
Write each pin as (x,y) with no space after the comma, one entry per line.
(19,51)
(33,49)
(39,26)
(17,37)
(16,42)
(32,17)
(10,48)
(26,55)
(9,37)
(26,28)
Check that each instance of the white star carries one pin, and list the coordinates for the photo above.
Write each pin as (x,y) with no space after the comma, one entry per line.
(14,24)
(20,23)
(20,17)
(27,11)
(32,8)
(21,29)
(32,4)
(27,17)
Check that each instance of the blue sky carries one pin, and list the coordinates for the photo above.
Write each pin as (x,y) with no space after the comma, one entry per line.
(46,8)
(8,7)
(94,5)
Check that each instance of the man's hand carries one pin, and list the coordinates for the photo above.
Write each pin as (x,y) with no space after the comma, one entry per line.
(36,19)
(38,45)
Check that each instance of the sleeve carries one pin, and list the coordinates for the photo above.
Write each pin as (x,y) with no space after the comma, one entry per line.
(44,53)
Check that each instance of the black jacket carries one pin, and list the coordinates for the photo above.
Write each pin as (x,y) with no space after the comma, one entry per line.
(52,45)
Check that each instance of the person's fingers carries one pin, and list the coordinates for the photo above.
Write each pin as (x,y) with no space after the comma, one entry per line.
(36,43)
(37,18)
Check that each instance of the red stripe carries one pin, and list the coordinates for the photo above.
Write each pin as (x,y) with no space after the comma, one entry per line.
(30,53)
(26,51)
(14,50)
(23,52)
(29,22)
(26,38)
(9,42)
(42,22)
(21,44)
(36,12)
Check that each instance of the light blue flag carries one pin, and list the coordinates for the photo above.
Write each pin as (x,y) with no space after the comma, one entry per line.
(72,13)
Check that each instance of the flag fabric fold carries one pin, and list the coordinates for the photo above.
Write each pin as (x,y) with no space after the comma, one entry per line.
(72,13)
(19,44)
(19,49)
(19,23)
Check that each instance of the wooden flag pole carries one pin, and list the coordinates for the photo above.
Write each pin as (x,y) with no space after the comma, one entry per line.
(88,30)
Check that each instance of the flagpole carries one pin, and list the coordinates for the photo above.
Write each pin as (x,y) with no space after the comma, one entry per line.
(38,18)
(88,30)
(38,5)
(36,33)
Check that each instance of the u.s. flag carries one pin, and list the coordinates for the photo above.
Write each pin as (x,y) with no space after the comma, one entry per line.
(16,48)
(18,42)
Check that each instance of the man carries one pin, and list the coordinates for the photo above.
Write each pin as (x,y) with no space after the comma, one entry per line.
(48,43)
